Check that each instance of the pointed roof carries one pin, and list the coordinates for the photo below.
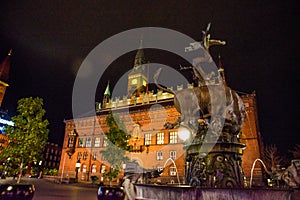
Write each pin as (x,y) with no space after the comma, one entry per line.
(107,90)
(139,57)
(5,67)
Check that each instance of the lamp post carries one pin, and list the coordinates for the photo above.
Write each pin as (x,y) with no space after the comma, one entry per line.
(77,166)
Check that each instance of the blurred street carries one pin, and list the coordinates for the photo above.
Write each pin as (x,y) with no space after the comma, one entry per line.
(46,190)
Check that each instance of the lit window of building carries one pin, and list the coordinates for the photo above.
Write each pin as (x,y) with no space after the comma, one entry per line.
(81,142)
(97,142)
(160,168)
(173,155)
(70,142)
(83,168)
(105,142)
(102,169)
(85,155)
(160,138)
(173,137)
(94,168)
(172,171)
(79,155)
(95,155)
(88,142)
(148,137)
(159,155)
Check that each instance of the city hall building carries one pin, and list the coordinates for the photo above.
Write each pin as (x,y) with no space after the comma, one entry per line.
(148,117)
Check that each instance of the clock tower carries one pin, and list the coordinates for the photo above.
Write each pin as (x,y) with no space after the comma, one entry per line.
(137,79)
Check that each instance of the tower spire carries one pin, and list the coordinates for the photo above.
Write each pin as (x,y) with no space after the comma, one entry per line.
(4,74)
(106,96)
(5,67)
(139,57)
(107,90)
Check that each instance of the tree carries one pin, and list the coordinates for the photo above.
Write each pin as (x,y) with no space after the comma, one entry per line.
(117,144)
(272,157)
(29,134)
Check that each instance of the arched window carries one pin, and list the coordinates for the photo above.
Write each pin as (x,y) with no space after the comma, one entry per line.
(94,168)
(83,168)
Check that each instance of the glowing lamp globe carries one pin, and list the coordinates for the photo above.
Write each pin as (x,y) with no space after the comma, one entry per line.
(184,133)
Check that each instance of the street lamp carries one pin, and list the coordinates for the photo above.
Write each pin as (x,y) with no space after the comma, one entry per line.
(77,166)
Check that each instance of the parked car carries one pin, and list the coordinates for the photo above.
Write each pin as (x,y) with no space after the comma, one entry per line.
(17,191)
(110,193)
(34,176)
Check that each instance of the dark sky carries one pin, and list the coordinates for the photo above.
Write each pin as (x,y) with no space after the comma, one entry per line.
(51,38)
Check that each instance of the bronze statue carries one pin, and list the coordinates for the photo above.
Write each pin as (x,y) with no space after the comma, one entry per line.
(206,42)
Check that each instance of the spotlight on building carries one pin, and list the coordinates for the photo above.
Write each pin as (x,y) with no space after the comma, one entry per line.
(184,132)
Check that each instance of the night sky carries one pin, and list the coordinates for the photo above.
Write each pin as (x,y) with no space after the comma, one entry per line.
(50,39)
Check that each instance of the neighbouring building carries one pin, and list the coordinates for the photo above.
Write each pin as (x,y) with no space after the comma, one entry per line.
(51,155)
(4,118)
(147,117)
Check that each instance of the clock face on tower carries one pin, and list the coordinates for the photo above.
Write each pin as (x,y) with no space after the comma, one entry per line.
(134,81)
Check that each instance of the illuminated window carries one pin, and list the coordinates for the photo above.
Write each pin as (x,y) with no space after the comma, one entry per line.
(173,155)
(148,137)
(83,168)
(70,142)
(94,168)
(159,138)
(172,171)
(159,155)
(79,155)
(85,155)
(102,169)
(97,142)
(105,141)
(88,142)
(159,168)
(81,142)
(173,137)
(95,155)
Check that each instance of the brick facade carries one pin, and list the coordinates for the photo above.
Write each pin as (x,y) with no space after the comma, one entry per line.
(152,147)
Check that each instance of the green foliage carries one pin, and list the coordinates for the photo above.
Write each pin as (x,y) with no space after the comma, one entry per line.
(51,172)
(117,134)
(28,136)
(117,144)
(112,173)
(94,179)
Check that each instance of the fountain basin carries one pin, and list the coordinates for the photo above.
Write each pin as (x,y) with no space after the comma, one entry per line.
(186,192)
